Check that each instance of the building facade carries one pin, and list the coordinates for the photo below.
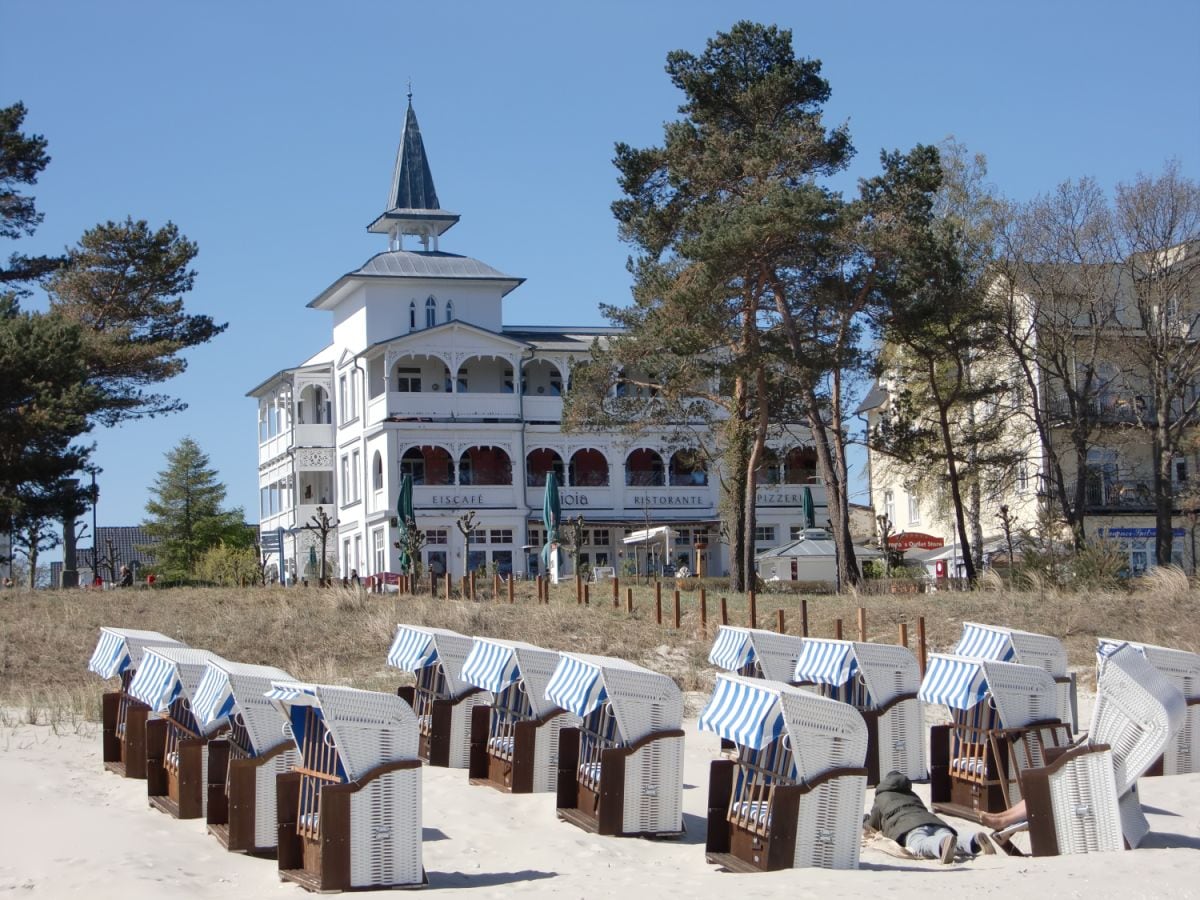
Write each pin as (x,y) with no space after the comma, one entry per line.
(1097,325)
(423,377)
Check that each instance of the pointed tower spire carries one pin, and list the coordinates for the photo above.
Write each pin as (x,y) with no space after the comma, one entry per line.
(412,204)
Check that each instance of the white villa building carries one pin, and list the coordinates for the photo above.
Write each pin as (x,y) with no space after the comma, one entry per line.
(424,377)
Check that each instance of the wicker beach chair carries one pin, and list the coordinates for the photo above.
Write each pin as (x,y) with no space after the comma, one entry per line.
(1085,800)
(349,812)
(1028,649)
(243,765)
(621,771)
(440,697)
(756,653)
(118,654)
(1182,669)
(514,740)
(794,796)
(1004,720)
(176,742)
(880,681)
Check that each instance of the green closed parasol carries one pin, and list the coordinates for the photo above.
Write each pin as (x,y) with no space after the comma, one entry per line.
(551,514)
(806,504)
(405,519)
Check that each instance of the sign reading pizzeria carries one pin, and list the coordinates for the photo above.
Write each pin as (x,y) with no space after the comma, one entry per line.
(914,540)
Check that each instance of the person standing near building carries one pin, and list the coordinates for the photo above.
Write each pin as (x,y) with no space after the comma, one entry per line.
(126,576)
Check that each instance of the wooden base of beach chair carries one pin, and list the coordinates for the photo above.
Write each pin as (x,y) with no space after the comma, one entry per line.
(602,811)
(323,865)
(234,800)
(125,753)
(437,744)
(518,772)
(956,796)
(179,793)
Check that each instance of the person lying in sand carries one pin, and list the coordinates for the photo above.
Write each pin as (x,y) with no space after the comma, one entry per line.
(1001,820)
(901,816)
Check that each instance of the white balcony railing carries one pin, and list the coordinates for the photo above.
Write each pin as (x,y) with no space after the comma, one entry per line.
(314,435)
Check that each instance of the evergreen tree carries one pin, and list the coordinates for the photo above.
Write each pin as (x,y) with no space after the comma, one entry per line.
(185,513)
(727,201)
(22,158)
(122,285)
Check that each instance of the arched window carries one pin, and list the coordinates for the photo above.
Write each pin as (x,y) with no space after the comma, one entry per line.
(430,312)
(589,468)
(412,315)
(377,472)
(688,469)
(539,463)
(484,465)
(644,468)
(427,465)
(449,310)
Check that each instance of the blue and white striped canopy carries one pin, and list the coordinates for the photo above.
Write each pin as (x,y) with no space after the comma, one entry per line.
(412,649)
(294,694)
(156,682)
(985,642)
(954,682)
(732,649)
(491,666)
(747,713)
(111,656)
(214,700)
(576,686)
(823,661)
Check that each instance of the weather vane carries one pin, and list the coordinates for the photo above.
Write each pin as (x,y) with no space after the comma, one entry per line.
(410,90)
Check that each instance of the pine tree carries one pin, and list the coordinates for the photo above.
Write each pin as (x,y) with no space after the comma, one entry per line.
(186,514)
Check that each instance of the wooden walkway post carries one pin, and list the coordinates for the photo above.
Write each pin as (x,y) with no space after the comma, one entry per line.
(753,599)
(471,585)
(587,600)
(704,611)
(903,634)
(658,607)
(837,628)
(921,644)
(677,611)
(578,589)
(804,617)
(629,600)
(779,626)
(539,590)
(616,584)
(724,612)
(495,587)
(862,624)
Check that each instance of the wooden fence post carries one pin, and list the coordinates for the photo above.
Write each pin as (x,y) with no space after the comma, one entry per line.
(539,589)
(704,611)
(677,610)
(578,589)
(471,585)
(779,626)
(862,624)
(629,600)
(724,612)
(512,588)
(837,628)
(587,600)
(616,589)
(753,598)
(903,634)
(921,644)
(658,607)
(433,584)
(804,617)
(495,587)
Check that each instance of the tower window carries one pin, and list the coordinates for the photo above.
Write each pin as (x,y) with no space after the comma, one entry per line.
(430,312)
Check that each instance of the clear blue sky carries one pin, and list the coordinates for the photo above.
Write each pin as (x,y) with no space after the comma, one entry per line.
(267,132)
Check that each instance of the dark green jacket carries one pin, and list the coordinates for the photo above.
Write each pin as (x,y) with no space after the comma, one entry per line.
(897,810)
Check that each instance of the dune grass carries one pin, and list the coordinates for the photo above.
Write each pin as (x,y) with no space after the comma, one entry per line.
(341,636)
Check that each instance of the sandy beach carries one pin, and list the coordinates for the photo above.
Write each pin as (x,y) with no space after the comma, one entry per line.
(71,829)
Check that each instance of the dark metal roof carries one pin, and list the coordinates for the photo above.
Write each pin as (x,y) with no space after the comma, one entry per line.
(412,182)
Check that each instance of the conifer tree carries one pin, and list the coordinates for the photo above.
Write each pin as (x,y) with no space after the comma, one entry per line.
(186,514)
